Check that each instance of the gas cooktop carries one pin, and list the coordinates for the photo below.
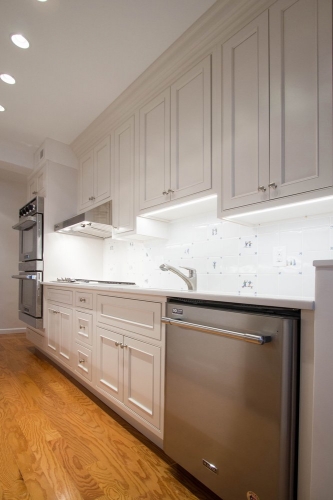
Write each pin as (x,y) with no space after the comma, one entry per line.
(93,282)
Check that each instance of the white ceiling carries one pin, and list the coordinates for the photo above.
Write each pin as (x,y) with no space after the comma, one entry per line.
(82,55)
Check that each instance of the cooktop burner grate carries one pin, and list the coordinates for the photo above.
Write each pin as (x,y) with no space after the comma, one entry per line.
(93,282)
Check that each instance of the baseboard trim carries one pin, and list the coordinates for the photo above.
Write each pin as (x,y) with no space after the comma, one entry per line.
(12,330)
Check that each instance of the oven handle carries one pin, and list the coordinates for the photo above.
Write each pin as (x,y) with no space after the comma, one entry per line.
(27,223)
(28,277)
(247,337)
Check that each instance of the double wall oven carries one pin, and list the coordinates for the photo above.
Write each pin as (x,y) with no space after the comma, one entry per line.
(30,227)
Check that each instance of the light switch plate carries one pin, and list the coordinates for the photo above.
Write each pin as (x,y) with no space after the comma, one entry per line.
(279,256)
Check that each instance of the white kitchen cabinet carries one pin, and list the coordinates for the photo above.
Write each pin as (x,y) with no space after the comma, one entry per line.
(124,156)
(191,156)
(37,184)
(300,96)
(129,370)
(245,112)
(155,151)
(292,152)
(59,326)
(175,140)
(83,361)
(95,175)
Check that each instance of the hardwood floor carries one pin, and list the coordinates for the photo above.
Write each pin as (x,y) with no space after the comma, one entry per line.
(59,442)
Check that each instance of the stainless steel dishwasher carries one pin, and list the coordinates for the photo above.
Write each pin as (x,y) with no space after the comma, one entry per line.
(231,396)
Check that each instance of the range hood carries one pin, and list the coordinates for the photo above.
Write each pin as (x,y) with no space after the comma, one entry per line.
(95,223)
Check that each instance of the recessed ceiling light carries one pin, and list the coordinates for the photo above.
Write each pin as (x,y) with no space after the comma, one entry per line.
(2,108)
(42,0)
(20,41)
(7,78)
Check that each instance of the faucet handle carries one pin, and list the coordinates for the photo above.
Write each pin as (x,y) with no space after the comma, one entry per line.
(192,271)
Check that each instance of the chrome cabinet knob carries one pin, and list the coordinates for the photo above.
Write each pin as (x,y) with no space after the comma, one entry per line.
(35,192)
(272,185)
(117,343)
(91,198)
(81,327)
(170,191)
(123,345)
(82,361)
(82,299)
(262,188)
(165,192)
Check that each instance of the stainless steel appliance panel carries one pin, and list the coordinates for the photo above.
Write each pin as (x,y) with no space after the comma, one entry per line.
(30,293)
(231,403)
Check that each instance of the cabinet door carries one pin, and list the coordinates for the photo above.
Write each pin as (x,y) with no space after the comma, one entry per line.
(83,327)
(102,171)
(301,95)
(65,334)
(191,131)
(123,215)
(32,188)
(52,330)
(155,151)
(142,379)
(41,182)
(86,184)
(245,111)
(110,362)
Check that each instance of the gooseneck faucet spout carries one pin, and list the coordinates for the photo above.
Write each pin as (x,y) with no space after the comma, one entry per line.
(190,280)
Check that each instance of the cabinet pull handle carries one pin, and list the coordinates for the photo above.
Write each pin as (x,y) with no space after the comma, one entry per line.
(117,343)
(123,345)
(165,192)
(82,327)
(262,188)
(272,185)
(91,198)
(34,192)
(82,299)
(170,191)
(82,361)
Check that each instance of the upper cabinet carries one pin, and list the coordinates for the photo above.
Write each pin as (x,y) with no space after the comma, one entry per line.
(124,154)
(175,139)
(37,184)
(95,175)
(277,104)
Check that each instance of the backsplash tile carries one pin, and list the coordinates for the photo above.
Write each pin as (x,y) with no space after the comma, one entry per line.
(229,257)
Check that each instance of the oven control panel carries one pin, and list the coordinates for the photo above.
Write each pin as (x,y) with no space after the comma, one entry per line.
(33,207)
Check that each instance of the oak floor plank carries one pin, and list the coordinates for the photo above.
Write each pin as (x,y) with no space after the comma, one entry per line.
(34,479)
(82,479)
(55,473)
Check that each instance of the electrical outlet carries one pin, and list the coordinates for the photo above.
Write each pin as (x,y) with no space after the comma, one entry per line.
(279,256)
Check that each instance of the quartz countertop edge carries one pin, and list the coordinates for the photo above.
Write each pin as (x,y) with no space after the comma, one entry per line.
(287,302)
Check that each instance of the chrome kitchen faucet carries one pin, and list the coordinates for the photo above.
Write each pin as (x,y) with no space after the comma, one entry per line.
(190,280)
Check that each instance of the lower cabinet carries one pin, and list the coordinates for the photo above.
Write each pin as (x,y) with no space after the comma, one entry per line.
(115,345)
(59,332)
(129,370)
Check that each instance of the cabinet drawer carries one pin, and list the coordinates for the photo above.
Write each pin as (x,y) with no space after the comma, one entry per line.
(58,295)
(84,299)
(83,327)
(35,337)
(83,361)
(137,316)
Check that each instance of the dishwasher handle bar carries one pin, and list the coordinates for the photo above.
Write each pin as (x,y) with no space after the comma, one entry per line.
(246,337)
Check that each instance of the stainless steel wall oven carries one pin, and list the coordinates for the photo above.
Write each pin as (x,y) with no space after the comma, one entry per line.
(30,226)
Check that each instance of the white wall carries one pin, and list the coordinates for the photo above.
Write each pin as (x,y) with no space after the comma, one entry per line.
(229,258)
(12,197)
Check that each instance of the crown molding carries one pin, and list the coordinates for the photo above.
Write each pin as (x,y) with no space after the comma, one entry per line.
(218,24)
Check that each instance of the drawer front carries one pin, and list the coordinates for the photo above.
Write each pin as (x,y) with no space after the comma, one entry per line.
(84,299)
(83,327)
(136,316)
(59,295)
(35,338)
(83,361)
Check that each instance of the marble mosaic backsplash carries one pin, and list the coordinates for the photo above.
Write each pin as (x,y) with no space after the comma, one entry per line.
(228,257)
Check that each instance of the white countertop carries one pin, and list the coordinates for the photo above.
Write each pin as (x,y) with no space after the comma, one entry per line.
(291,302)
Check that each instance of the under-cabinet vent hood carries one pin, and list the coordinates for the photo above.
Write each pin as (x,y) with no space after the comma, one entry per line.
(95,223)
